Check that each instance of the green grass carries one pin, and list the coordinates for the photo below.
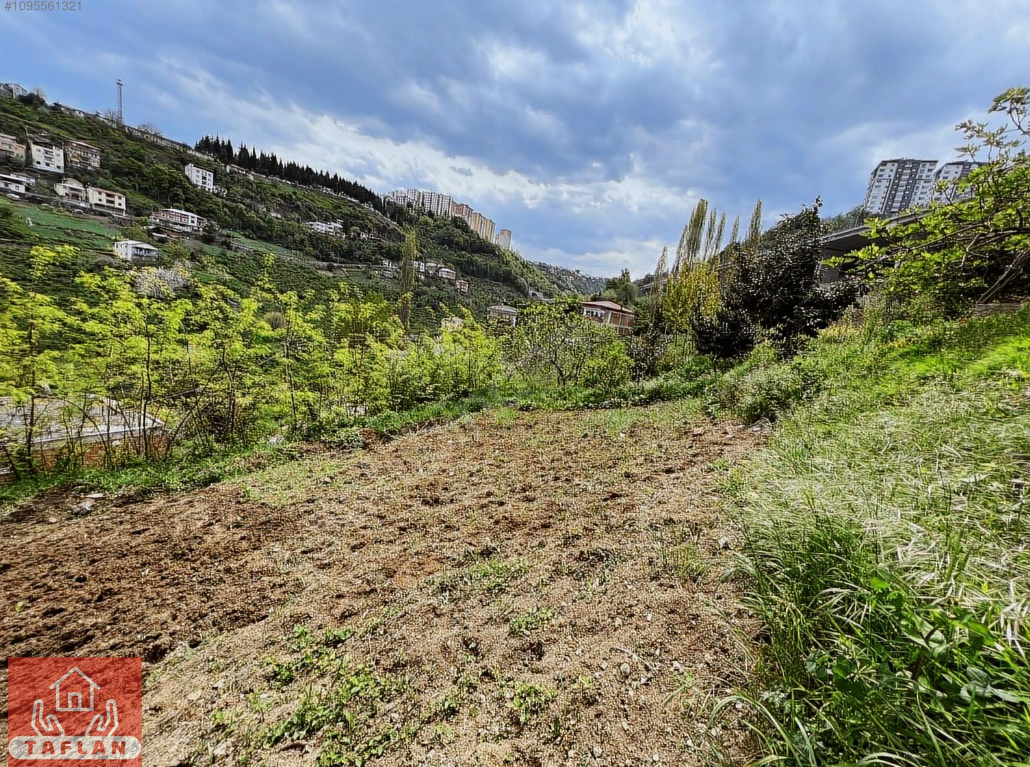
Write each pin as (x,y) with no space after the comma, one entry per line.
(141,480)
(888,549)
(531,621)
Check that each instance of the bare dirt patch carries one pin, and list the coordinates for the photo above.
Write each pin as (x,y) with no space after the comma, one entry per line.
(515,589)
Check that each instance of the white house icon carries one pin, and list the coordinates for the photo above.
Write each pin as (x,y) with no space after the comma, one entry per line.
(75,690)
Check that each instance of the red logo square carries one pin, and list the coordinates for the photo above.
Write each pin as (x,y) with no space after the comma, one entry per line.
(67,711)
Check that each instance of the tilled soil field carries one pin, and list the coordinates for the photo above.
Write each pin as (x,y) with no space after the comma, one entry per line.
(538,589)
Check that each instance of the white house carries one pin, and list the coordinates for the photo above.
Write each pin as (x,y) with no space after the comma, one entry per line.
(180,220)
(201,177)
(71,189)
(462,286)
(503,313)
(445,273)
(13,90)
(326,227)
(47,157)
(102,199)
(130,250)
(12,184)
(26,179)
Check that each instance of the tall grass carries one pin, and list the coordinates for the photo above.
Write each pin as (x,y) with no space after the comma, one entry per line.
(888,552)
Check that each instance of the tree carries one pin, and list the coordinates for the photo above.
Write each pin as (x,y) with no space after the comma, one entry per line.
(621,289)
(773,289)
(407,277)
(692,285)
(973,249)
(554,343)
(31,324)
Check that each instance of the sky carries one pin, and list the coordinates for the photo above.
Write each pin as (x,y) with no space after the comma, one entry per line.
(590,129)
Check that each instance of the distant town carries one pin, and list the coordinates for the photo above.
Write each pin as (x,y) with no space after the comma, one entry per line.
(444,205)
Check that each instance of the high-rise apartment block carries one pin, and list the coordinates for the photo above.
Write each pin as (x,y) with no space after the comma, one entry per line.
(444,205)
(437,204)
(504,239)
(900,184)
(947,177)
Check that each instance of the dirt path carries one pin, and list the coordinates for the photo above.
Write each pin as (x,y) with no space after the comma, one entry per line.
(535,589)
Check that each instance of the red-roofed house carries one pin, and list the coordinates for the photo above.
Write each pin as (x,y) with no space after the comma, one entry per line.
(610,313)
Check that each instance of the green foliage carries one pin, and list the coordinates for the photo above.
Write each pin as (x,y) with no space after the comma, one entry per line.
(770,289)
(886,550)
(531,621)
(622,290)
(555,344)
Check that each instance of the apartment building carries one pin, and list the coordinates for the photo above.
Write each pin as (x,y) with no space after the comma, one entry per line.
(46,156)
(503,239)
(487,232)
(463,211)
(201,177)
(102,199)
(408,197)
(947,177)
(476,222)
(179,220)
(438,204)
(80,155)
(11,147)
(898,185)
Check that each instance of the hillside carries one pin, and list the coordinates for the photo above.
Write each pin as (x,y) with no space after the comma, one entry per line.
(571,281)
(255,215)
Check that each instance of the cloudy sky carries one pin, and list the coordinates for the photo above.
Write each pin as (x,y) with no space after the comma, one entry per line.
(588,128)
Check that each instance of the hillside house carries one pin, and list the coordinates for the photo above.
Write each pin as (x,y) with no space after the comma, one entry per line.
(105,201)
(134,250)
(503,313)
(610,313)
(71,188)
(13,90)
(46,156)
(179,220)
(12,184)
(25,178)
(67,110)
(328,228)
(89,430)
(446,273)
(462,286)
(79,154)
(201,177)
(11,147)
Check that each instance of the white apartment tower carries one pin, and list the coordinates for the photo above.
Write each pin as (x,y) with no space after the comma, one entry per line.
(900,184)
(947,177)
(504,239)
(201,177)
(438,204)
